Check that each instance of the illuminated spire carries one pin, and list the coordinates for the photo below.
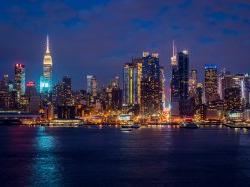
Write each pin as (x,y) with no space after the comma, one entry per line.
(173,58)
(174,48)
(47,45)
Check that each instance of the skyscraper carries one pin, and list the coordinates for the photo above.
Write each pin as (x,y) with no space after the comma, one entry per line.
(211,83)
(174,84)
(151,98)
(33,97)
(233,99)
(132,74)
(116,94)
(62,93)
(247,90)
(163,90)
(225,80)
(46,78)
(183,71)
(20,79)
(67,91)
(92,85)
(193,82)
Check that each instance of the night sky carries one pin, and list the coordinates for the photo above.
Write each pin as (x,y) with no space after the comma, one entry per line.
(99,36)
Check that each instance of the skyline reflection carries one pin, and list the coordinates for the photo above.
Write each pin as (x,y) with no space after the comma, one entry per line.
(46,164)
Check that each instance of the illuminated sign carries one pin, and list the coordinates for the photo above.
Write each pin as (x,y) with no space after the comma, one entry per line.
(30,84)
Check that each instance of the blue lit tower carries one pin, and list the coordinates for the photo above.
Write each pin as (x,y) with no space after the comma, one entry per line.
(46,78)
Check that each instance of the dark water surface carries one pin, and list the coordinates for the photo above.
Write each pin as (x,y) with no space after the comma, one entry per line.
(94,156)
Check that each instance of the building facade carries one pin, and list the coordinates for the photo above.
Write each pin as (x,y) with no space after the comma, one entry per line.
(132,75)
(46,79)
(20,79)
(151,97)
(211,83)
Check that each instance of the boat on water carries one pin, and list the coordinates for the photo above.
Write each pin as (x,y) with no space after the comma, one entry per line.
(126,127)
(135,126)
(129,126)
(189,125)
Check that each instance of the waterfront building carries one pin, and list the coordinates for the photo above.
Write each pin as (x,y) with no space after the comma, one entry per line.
(228,80)
(62,93)
(233,99)
(116,95)
(183,71)
(174,84)
(92,85)
(163,87)
(239,81)
(46,78)
(193,81)
(91,90)
(225,80)
(199,94)
(179,85)
(67,91)
(211,83)
(33,97)
(66,112)
(132,75)
(246,115)
(247,90)
(151,98)
(4,95)
(20,80)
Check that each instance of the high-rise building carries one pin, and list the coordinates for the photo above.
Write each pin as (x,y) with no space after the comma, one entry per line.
(116,82)
(183,71)
(163,88)
(116,95)
(67,91)
(247,90)
(211,83)
(233,99)
(175,83)
(33,97)
(62,93)
(57,95)
(193,79)
(151,97)
(46,78)
(4,94)
(239,80)
(20,79)
(198,95)
(225,80)
(92,85)
(132,74)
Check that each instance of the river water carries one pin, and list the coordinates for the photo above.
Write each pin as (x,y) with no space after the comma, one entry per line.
(107,156)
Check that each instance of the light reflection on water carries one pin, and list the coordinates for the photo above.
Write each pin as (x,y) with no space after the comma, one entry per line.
(46,167)
(151,155)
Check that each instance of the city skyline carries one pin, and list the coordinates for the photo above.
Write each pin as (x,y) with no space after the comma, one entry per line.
(124,93)
(81,44)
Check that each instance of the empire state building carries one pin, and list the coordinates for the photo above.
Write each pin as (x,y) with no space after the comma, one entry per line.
(46,78)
